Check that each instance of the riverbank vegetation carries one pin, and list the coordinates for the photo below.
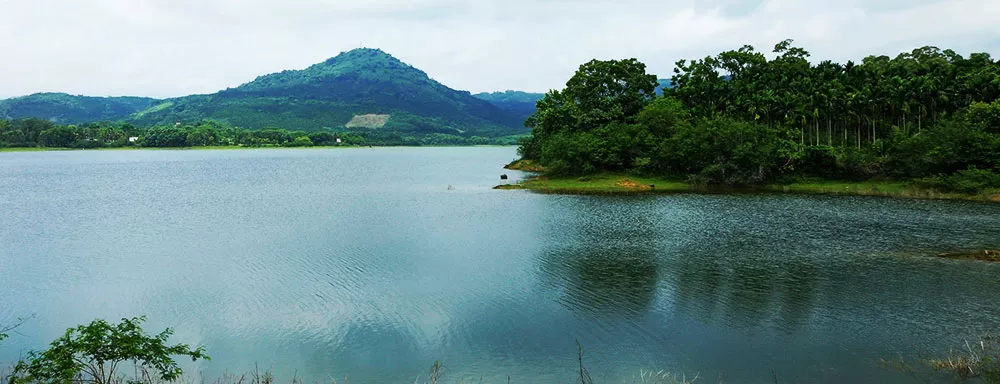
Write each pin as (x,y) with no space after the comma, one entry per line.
(37,134)
(927,120)
(115,353)
(112,353)
(617,183)
(605,183)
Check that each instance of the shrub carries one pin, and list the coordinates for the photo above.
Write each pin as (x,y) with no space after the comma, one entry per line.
(301,141)
(971,181)
(322,138)
(87,144)
(92,353)
(860,164)
(819,161)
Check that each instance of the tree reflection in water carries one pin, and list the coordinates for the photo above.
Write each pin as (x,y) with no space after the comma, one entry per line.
(610,266)
(614,257)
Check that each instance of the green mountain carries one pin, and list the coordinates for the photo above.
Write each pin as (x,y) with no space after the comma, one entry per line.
(519,103)
(367,88)
(62,108)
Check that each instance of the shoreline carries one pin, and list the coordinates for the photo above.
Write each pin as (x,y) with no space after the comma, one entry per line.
(229,147)
(214,147)
(611,184)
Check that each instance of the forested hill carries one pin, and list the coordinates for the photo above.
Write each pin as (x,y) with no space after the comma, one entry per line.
(520,103)
(69,109)
(363,83)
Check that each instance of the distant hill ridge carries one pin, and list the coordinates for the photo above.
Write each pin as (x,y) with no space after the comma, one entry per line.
(63,108)
(326,95)
(519,103)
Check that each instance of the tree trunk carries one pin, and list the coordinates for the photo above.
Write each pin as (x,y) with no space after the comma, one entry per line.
(858,136)
(829,132)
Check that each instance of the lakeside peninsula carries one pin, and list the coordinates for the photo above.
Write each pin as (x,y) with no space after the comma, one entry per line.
(925,124)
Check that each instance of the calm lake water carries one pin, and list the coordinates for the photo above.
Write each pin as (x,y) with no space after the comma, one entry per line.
(326,263)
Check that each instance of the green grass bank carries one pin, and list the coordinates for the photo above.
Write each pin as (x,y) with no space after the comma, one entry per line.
(627,184)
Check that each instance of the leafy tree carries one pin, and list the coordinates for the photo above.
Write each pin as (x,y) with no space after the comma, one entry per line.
(111,134)
(63,137)
(15,138)
(610,91)
(200,137)
(662,116)
(985,116)
(590,125)
(271,136)
(322,138)
(32,128)
(301,141)
(94,352)
(724,151)
(164,137)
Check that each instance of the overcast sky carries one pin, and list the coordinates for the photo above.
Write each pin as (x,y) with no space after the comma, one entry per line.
(165,48)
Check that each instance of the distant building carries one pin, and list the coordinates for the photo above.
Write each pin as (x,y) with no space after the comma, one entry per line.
(338,140)
(133,139)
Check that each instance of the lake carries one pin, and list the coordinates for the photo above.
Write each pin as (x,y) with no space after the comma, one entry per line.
(373,263)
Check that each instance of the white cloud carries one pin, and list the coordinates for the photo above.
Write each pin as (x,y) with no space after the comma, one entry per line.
(168,48)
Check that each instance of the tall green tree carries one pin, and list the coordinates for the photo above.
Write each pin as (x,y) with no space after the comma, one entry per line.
(595,114)
(63,137)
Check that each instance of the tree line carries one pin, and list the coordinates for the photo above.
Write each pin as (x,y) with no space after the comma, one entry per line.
(44,133)
(742,118)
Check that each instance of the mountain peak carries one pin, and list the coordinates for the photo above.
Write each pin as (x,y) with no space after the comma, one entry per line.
(362,57)
(363,53)
(362,64)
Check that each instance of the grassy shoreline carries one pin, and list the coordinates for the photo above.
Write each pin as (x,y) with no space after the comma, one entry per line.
(625,184)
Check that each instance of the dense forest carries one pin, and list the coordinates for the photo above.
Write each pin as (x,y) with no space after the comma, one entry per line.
(745,118)
(44,133)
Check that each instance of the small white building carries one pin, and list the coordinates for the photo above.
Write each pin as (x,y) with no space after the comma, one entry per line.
(133,139)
